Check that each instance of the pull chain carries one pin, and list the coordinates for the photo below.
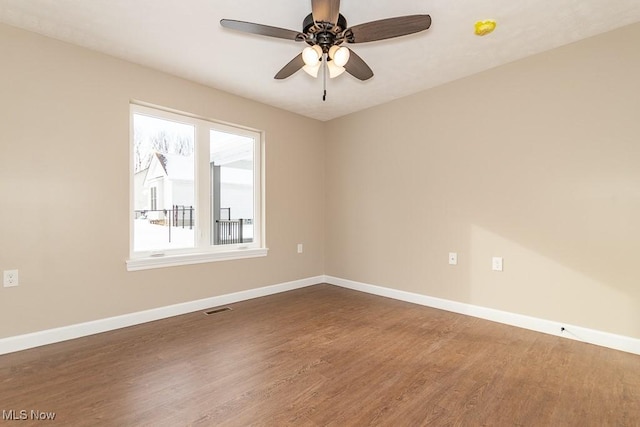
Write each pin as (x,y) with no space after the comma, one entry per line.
(324,77)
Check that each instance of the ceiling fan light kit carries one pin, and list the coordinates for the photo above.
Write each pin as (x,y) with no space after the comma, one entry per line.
(312,70)
(325,30)
(311,55)
(334,69)
(339,55)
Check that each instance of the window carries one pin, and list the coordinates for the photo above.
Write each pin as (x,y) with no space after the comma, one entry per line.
(196,190)
(154,198)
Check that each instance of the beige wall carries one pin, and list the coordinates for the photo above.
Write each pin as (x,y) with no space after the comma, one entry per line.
(537,161)
(64,165)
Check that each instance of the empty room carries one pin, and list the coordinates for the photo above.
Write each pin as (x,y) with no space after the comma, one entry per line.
(320,212)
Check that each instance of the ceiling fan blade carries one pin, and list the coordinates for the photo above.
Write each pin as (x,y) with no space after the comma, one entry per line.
(294,65)
(325,10)
(357,67)
(263,30)
(387,28)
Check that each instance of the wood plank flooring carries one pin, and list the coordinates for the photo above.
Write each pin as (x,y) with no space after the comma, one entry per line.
(322,356)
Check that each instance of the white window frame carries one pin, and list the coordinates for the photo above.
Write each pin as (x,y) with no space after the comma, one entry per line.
(203,251)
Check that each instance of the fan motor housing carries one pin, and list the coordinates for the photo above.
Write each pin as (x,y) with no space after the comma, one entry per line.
(309,27)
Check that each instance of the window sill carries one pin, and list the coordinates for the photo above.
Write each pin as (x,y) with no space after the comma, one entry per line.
(195,258)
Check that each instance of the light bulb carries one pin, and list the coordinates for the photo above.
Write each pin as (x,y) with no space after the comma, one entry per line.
(334,69)
(312,70)
(311,55)
(340,55)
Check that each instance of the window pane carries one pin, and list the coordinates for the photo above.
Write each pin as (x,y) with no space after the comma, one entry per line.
(232,192)
(164,190)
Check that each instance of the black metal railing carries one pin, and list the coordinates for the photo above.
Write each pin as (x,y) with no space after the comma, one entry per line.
(182,216)
(230,231)
(177,216)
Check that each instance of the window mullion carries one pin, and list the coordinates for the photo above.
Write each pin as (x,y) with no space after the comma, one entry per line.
(203,187)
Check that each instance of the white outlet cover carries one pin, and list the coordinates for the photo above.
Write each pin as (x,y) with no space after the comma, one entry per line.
(453,258)
(496,263)
(10,278)
(300,248)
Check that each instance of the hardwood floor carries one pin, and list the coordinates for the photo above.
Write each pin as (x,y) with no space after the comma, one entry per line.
(320,356)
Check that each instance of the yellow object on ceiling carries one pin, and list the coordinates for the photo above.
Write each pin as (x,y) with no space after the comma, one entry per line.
(485,27)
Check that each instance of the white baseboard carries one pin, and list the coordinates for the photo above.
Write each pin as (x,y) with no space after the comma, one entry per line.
(604,339)
(49,336)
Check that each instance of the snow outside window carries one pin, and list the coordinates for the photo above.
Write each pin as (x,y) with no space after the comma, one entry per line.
(196,190)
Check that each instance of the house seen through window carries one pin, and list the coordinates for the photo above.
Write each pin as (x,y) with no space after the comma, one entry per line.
(195,185)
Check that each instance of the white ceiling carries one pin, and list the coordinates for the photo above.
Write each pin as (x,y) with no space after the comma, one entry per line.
(184,38)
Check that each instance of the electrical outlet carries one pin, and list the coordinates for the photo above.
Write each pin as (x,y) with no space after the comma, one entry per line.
(453,258)
(300,248)
(10,278)
(496,263)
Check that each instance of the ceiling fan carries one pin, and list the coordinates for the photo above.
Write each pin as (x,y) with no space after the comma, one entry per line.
(324,31)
